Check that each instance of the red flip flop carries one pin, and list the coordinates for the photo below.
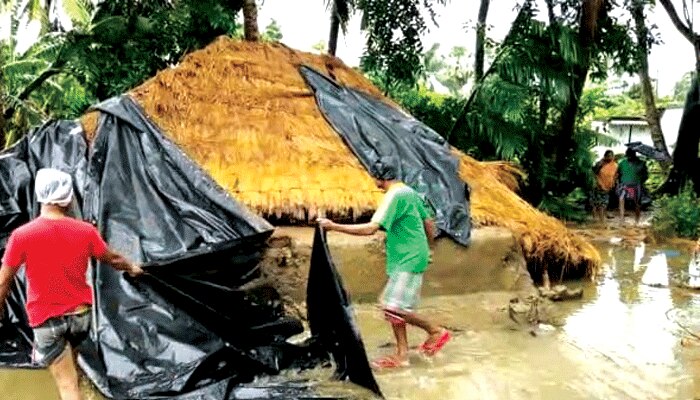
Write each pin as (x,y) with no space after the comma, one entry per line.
(389,362)
(430,349)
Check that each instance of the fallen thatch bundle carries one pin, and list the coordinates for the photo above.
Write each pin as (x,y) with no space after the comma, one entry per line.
(243,112)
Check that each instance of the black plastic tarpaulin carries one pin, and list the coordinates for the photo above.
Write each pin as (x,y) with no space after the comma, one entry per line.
(196,326)
(57,144)
(331,317)
(373,129)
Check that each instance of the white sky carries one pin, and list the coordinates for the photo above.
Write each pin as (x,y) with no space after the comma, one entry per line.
(304,23)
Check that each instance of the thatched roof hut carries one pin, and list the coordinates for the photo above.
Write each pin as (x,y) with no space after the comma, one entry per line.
(244,113)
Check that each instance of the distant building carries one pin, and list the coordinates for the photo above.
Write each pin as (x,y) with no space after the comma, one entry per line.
(627,129)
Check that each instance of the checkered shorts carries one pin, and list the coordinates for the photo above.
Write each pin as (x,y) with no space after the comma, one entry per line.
(402,292)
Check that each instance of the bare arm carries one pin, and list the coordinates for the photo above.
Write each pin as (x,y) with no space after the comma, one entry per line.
(369,228)
(429,226)
(6,276)
(119,262)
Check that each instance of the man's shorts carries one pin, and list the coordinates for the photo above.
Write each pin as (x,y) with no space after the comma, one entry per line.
(402,292)
(51,337)
(632,192)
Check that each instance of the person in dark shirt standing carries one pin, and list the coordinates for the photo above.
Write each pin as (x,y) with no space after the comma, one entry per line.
(632,174)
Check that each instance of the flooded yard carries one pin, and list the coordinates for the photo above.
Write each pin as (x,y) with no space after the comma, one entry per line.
(621,341)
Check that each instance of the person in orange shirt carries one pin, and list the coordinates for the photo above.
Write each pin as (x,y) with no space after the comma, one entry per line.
(606,176)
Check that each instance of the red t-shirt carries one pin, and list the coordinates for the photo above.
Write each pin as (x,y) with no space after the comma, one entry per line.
(55,253)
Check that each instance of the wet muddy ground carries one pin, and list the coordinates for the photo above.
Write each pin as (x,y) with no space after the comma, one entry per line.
(623,340)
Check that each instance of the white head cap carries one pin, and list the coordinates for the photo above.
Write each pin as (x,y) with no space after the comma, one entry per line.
(53,187)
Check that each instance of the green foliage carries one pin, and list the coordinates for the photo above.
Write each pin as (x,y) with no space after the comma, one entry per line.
(321,47)
(453,71)
(435,110)
(122,44)
(394,48)
(515,106)
(682,87)
(677,215)
(516,109)
(127,44)
(32,87)
(567,208)
(457,72)
(657,177)
(615,106)
(432,64)
(272,33)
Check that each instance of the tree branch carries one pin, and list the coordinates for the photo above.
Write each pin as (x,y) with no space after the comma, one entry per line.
(33,85)
(682,28)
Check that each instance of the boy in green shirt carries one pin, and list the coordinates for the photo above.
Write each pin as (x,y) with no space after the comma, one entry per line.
(409,233)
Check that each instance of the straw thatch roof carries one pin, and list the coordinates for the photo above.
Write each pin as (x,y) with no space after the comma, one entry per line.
(244,113)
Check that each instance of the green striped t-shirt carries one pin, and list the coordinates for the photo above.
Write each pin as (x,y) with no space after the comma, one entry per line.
(401,214)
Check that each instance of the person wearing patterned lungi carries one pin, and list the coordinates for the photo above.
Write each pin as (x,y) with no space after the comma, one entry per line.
(633,173)
(410,231)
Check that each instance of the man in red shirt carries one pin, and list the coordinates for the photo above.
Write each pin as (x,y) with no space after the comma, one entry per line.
(55,250)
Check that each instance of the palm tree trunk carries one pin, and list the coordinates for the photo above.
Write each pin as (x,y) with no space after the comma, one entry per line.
(652,112)
(685,155)
(250,21)
(459,120)
(480,39)
(550,11)
(592,12)
(335,30)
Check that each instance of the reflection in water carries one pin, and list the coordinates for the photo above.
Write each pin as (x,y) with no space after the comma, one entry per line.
(616,344)
(638,255)
(626,331)
(694,271)
(656,273)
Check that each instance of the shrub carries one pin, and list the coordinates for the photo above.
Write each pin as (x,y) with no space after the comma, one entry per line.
(568,208)
(677,215)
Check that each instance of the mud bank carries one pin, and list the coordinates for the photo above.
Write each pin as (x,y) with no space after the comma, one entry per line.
(493,262)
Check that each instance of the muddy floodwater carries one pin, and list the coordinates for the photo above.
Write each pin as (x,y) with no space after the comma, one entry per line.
(621,341)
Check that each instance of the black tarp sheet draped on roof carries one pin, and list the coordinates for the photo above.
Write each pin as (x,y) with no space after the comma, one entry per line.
(373,129)
(187,329)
